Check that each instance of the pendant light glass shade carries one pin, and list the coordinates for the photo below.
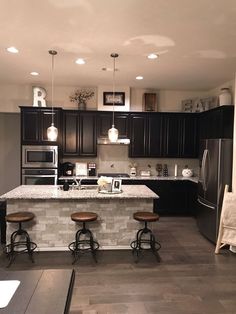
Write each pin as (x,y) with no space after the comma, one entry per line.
(52,131)
(113,132)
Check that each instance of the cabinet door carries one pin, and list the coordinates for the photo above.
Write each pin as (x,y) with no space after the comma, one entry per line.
(121,123)
(46,121)
(70,133)
(155,133)
(138,134)
(30,126)
(171,135)
(217,123)
(189,136)
(88,134)
(104,124)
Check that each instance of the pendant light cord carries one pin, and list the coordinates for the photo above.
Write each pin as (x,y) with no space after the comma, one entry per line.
(52,88)
(114,69)
(52,53)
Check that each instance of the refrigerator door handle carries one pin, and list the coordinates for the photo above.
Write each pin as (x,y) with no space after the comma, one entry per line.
(203,169)
(199,201)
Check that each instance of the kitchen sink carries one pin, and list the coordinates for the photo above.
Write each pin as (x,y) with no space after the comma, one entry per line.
(89,187)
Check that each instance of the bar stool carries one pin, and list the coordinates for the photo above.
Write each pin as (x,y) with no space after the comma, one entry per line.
(23,245)
(146,243)
(82,245)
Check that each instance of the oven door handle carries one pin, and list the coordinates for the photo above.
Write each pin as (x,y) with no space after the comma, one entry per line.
(39,176)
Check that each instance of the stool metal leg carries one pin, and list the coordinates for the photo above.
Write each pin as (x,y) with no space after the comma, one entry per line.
(29,245)
(151,243)
(81,246)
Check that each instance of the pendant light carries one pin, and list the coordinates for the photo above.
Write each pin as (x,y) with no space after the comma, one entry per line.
(113,132)
(52,131)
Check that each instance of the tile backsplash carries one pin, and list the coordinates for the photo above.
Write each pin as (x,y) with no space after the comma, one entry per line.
(114,158)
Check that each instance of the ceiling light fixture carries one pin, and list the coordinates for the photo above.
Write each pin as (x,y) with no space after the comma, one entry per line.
(113,132)
(12,50)
(52,131)
(80,61)
(152,56)
(34,73)
(139,77)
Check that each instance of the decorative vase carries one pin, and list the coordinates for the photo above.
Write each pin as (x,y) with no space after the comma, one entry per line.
(225,97)
(82,106)
(187,173)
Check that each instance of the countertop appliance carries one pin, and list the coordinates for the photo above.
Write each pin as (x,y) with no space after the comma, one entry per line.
(67,169)
(215,172)
(91,169)
(39,156)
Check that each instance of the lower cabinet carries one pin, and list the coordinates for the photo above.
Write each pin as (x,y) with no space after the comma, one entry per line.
(176,197)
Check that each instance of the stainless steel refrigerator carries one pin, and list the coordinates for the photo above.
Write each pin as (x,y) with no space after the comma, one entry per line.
(215,172)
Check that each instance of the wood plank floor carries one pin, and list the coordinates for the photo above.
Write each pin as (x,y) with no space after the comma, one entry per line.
(190,279)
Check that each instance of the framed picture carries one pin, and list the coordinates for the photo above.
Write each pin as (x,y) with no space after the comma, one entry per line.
(118,101)
(116,185)
(150,102)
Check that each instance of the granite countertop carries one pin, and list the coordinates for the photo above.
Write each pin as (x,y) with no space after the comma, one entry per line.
(172,178)
(54,192)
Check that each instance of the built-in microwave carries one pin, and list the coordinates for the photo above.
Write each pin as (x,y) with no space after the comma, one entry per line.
(39,156)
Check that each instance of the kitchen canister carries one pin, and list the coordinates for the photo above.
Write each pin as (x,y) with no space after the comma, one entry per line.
(225,98)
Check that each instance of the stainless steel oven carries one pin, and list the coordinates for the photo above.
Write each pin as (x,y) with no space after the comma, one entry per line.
(38,156)
(39,176)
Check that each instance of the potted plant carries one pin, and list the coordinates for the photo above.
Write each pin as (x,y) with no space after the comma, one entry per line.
(81,96)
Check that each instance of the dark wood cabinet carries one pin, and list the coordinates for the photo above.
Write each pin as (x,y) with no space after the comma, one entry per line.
(176,197)
(189,145)
(217,123)
(171,135)
(34,124)
(79,133)
(138,135)
(163,135)
(104,123)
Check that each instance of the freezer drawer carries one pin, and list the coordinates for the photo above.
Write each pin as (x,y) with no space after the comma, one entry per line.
(207,220)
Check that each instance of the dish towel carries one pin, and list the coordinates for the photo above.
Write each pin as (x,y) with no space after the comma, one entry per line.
(227,228)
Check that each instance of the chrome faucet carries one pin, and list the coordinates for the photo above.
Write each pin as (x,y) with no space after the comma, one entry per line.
(76,184)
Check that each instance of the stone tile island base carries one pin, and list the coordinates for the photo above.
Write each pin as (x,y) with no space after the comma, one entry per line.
(52,228)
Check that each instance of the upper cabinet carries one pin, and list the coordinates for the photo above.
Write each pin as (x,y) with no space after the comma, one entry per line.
(104,123)
(217,123)
(163,135)
(79,133)
(34,124)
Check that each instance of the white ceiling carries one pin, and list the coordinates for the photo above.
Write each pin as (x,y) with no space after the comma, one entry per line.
(196,41)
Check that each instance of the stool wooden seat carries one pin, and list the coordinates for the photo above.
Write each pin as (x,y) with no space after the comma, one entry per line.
(145,216)
(24,244)
(142,241)
(84,216)
(84,240)
(19,217)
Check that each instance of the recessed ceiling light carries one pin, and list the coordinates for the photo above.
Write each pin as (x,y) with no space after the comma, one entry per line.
(152,56)
(34,73)
(80,61)
(12,50)
(139,77)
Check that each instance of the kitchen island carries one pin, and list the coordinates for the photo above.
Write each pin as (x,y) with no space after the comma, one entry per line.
(52,228)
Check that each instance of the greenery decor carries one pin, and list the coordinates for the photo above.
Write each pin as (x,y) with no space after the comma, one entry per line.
(81,96)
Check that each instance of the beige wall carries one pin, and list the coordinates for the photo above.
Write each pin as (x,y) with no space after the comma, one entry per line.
(9,151)
(13,96)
